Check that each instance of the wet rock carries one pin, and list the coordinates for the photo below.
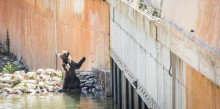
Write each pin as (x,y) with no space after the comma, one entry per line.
(30,91)
(84,90)
(21,88)
(85,73)
(97,87)
(4,93)
(9,90)
(59,90)
(89,82)
(41,84)
(38,90)
(31,86)
(18,92)
(44,90)
(89,85)
(82,81)
(89,76)
(49,88)
(93,90)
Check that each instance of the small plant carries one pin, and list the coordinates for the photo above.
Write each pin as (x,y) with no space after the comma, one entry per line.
(25,84)
(7,43)
(10,68)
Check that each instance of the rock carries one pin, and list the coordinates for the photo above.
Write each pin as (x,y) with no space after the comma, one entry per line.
(49,88)
(38,90)
(37,78)
(30,81)
(31,86)
(6,59)
(89,76)
(17,64)
(30,91)
(59,90)
(82,81)
(21,88)
(16,79)
(84,90)
(5,86)
(57,73)
(7,75)
(40,71)
(56,79)
(90,79)
(89,82)
(44,90)
(49,71)
(44,77)
(22,73)
(56,88)
(41,84)
(85,73)
(89,85)
(26,69)
(30,75)
(5,80)
(5,93)
(97,87)
(18,92)
(9,90)
(82,85)
(93,90)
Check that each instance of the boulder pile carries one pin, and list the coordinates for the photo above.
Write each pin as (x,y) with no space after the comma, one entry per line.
(40,81)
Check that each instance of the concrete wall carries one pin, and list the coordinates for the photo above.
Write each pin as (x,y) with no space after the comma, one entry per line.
(41,28)
(158,52)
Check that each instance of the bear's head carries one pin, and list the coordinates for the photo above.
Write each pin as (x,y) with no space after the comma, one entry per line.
(65,56)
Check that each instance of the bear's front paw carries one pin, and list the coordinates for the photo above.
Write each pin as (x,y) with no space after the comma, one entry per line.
(83,59)
(64,65)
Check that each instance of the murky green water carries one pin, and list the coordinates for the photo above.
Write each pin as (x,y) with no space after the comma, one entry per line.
(56,101)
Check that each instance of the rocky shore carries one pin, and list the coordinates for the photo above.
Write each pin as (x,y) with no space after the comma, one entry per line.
(44,81)
(40,81)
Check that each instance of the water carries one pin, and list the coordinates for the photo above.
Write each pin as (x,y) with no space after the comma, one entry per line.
(56,101)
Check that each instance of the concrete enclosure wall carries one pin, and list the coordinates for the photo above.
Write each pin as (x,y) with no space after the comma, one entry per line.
(163,55)
(39,29)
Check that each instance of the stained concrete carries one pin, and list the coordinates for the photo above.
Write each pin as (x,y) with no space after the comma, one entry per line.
(166,48)
(39,29)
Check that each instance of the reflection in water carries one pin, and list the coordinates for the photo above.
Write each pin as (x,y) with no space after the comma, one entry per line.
(56,101)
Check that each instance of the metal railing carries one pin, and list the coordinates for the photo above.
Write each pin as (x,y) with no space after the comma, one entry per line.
(152,7)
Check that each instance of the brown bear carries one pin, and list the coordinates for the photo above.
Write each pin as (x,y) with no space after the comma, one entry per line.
(71,81)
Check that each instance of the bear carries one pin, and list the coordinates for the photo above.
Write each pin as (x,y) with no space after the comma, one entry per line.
(71,81)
